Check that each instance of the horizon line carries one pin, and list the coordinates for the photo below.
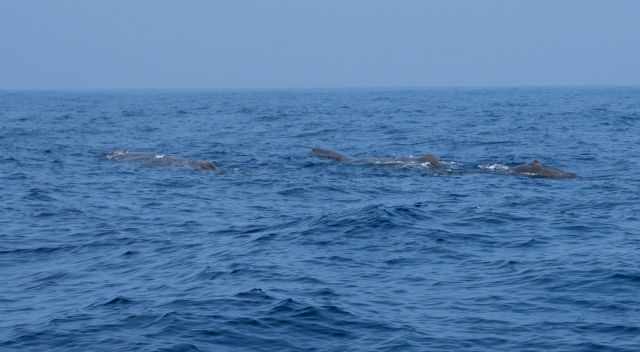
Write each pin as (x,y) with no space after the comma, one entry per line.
(354,87)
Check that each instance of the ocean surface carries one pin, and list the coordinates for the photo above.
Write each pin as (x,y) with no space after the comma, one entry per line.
(282,251)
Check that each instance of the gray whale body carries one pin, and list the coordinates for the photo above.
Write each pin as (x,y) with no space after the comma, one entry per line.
(328,154)
(153,159)
(431,159)
(536,169)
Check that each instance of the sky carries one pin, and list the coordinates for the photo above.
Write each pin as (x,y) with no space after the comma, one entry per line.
(94,44)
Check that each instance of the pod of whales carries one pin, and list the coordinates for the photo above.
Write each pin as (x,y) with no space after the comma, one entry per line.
(534,169)
(153,159)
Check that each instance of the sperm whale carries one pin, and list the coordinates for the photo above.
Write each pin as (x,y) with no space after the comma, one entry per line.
(153,159)
(536,169)
(428,159)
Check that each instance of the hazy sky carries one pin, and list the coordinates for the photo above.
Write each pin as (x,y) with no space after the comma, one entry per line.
(317,43)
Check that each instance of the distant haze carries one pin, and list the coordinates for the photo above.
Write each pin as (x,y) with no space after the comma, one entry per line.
(307,44)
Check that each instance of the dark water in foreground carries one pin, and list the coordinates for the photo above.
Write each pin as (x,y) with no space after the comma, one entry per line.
(286,252)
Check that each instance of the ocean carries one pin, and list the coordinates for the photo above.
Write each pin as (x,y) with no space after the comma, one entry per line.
(284,251)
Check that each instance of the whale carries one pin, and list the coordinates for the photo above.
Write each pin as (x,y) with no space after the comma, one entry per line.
(154,159)
(429,159)
(536,169)
(328,154)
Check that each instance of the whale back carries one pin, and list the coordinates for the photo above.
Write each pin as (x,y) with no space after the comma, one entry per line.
(328,154)
(161,160)
(536,169)
(203,165)
(552,172)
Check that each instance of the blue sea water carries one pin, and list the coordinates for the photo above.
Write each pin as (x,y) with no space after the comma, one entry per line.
(286,252)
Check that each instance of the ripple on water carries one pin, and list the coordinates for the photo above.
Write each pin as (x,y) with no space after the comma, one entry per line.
(287,252)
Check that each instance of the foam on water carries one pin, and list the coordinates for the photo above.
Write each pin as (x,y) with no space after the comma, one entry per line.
(494,167)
